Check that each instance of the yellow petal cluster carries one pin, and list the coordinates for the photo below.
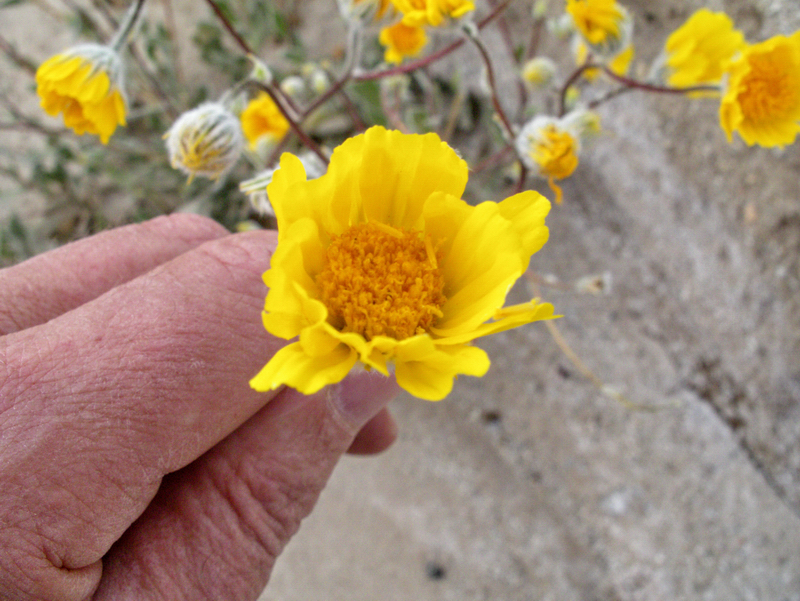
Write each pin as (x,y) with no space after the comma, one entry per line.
(417,13)
(262,119)
(380,262)
(85,85)
(696,52)
(360,9)
(619,63)
(538,72)
(550,147)
(762,96)
(605,25)
(402,41)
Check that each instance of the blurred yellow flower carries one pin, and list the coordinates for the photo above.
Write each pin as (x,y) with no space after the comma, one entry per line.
(431,12)
(762,96)
(361,9)
(262,119)
(538,72)
(402,41)
(550,148)
(605,25)
(85,84)
(619,64)
(696,52)
(379,261)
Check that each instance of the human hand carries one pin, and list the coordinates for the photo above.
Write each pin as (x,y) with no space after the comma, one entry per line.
(135,460)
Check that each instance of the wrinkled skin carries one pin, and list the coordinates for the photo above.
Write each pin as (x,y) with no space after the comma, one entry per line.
(135,461)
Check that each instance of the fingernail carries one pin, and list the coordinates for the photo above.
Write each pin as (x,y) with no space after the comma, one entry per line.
(360,396)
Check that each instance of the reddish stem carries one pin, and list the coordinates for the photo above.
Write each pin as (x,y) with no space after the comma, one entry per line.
(229,27)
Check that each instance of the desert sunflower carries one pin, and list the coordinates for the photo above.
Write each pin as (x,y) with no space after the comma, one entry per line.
(85,84)
(381,263)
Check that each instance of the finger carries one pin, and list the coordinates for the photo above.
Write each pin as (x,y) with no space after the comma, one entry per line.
(376,436)
(216,527)
(97,405)
(55,282)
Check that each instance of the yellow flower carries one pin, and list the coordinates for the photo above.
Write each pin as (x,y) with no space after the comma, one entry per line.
(431,12)
(85,84)
(379,261)
(538,72)
(619,63)
(401,41)
(696,52)
(262,119)
(362,9)
(550,148)
(604,25)
(205,141)
(762,96)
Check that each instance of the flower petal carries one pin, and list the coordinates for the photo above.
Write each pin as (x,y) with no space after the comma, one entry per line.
(293,367)
(292,301)
(525,213)
(506,319)
(396,173)
(482,259)
(427,371)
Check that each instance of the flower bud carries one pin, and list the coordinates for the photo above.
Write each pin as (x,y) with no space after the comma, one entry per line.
(539,72)
(205,141)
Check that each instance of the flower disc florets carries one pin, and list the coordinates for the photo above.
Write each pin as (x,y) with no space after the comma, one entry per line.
(379,261)
(85,83)
(380,281)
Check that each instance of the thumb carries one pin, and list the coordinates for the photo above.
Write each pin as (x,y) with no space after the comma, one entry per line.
(216,527)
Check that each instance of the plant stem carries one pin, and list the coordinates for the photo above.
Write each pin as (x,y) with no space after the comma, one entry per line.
(15,57)
(487,62)
(230,28)
(352,59)
(128,22)
(304,137)
(562,94)
(648,87)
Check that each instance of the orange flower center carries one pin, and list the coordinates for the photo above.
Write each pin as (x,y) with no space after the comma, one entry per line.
(767,90)
(380,281)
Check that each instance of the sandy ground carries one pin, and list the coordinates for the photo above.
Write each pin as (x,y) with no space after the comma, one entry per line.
(529,484)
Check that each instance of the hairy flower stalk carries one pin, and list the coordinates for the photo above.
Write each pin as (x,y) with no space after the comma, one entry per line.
(380,263)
